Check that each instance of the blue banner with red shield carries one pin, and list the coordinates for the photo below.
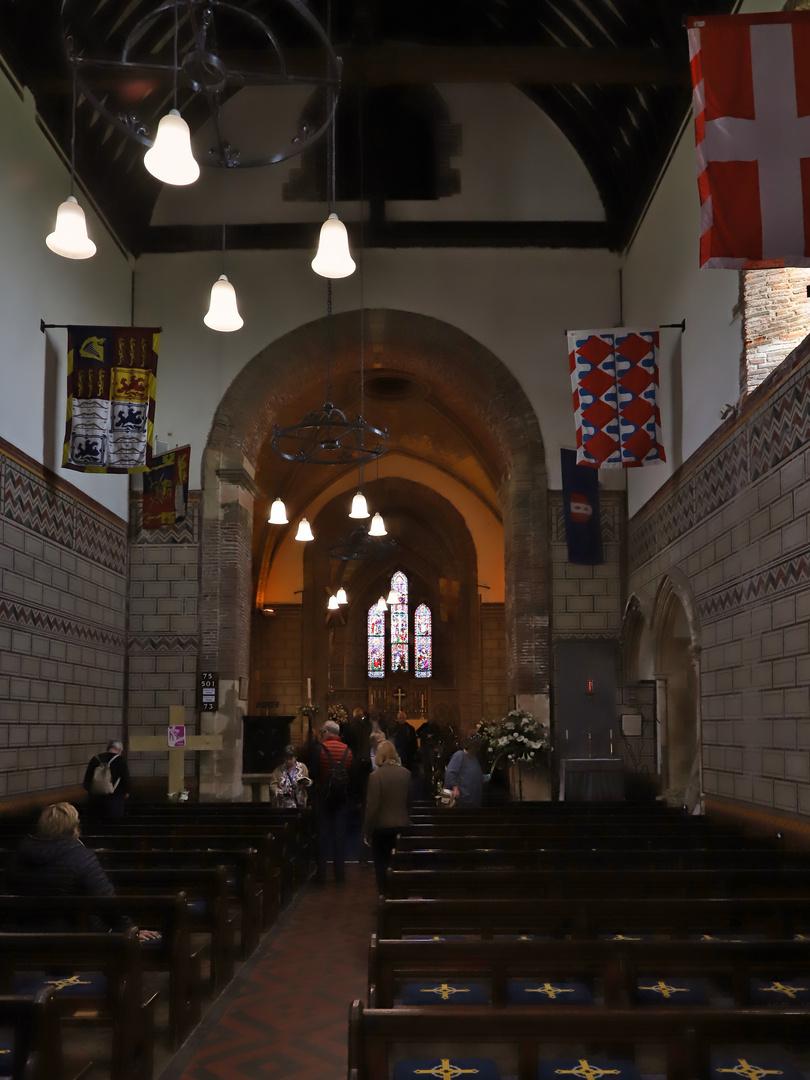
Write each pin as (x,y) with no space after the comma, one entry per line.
(583,530)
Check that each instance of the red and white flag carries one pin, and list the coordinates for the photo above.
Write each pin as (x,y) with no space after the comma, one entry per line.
(751,92)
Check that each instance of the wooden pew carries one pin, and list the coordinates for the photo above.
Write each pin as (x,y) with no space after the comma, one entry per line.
(521,1036)
(617,965)
(206,891)
(608,859)
(119,1005)
(172,953)
(579,917)
(33,1050)
(507,882)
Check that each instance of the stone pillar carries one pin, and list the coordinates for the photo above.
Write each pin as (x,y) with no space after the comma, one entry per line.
(694,658)
(661,712)
(226,604)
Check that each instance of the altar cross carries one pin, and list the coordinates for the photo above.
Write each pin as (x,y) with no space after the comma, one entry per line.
(175,742)
(399,694)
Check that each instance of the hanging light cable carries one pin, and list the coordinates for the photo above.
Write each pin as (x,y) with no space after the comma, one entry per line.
(69,237)
(170,158)
(333,259)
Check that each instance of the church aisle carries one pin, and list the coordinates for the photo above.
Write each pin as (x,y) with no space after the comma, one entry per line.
(286,1013)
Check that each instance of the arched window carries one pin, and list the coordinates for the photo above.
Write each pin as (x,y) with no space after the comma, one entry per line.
(376,643)
(399,623)
(400,635)
(422,642)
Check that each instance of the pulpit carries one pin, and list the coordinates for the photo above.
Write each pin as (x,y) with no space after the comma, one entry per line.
(592,780)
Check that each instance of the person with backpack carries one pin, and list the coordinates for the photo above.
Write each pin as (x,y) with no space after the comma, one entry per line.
(106,781)
(330,771)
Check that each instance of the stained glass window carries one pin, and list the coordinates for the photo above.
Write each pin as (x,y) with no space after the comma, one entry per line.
(399,623)
(422,642)
(376,643)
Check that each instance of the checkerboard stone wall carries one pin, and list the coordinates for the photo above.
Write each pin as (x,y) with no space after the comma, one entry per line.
(734,521)
(63,567)
(163,630)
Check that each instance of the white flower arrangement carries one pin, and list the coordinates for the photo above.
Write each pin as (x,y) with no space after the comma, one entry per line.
(516,737)
(179,796)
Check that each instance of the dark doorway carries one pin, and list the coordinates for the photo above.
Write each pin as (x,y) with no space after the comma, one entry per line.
(264,740)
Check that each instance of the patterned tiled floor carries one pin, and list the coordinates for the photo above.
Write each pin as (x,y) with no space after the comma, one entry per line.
(285,1015)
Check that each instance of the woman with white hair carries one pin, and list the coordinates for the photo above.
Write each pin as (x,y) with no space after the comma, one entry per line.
(388,807)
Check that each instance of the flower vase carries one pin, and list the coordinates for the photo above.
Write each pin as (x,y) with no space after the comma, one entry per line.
(530,782)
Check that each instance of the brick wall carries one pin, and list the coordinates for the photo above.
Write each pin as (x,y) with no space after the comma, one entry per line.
(63,567)
(276,673)
(163,630)
(493,660)
(776,318)
(733,525)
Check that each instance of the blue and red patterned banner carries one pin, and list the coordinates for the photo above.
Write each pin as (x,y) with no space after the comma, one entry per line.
(614,378)
(165,489)
(583,527)
(110,398)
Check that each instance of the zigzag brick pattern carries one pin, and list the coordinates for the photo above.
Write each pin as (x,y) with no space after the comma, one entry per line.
(165,643)
(286,1013)
(782,578)
(31,503)
(721,478)
(780,430)
(24,616)
(653,531)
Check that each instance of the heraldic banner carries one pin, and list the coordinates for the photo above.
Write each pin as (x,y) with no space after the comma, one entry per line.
(614,378)
(165,489)
(751,93)
(583,528)
(110,398)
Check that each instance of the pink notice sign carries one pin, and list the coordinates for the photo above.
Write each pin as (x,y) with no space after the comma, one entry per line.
(177,735)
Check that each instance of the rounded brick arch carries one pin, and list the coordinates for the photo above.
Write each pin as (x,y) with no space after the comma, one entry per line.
(479,392)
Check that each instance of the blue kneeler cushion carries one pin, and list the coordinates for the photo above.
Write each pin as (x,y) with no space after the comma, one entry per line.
(755,1067)
(547,992)
(84,984)
(449,1068)
(658,991)
(451,992)
(792,990)
(590,1068)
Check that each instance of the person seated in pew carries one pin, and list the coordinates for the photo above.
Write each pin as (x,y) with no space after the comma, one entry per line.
(464,776)
(56,863)
(290,780)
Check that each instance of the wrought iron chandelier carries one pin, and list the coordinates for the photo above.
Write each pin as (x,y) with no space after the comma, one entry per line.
(190,57)
(360,546)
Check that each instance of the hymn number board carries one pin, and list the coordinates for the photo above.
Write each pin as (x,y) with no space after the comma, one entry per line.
(209,691)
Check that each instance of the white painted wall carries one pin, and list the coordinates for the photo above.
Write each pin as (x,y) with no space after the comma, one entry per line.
(36,284)
(517,303)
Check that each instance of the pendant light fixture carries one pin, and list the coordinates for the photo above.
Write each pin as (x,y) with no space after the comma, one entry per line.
(223,314)
(333,259)
(170,159)
(381,604)
(342,598)
(377,527)
(333,603)
(69,237)
(304,531)
(278,513)
(393,598)
(359,506)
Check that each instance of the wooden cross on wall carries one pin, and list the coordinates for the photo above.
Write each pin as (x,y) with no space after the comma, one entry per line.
(176,749)
(399,694)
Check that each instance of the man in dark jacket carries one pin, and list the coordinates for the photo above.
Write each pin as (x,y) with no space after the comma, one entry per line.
(56,863)
(108,805)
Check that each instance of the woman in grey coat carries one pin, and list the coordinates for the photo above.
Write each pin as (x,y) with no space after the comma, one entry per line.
(388,807)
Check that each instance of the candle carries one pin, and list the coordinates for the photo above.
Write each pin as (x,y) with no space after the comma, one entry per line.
(309,690)
(423,702)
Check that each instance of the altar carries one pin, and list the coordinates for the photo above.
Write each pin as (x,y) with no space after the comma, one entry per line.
(592,780)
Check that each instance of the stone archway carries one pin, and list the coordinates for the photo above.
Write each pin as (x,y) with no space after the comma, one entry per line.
(476,386)
(677,640)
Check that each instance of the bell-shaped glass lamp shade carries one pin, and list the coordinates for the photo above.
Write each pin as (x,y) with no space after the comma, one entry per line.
(333,603)
(222,313)
(70,238)
(278,513)
(304,530)
(170,158)
(359,508)
(381,604)
(333,259)
(393,598)
(341,596)
(377,527)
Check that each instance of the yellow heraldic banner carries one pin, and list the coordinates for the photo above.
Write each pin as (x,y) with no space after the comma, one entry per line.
(112,373)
